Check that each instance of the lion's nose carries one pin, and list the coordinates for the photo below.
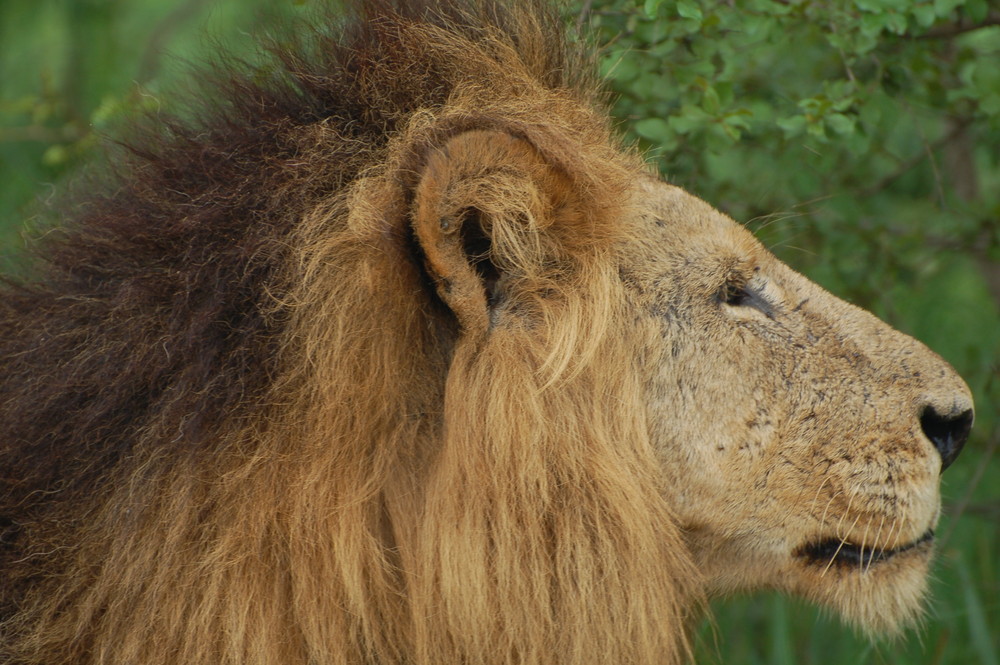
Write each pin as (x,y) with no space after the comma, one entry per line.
(948,432)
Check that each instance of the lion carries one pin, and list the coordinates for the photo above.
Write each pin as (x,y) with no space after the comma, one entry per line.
(398,355)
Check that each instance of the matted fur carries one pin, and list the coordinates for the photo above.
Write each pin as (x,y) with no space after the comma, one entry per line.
(392,355)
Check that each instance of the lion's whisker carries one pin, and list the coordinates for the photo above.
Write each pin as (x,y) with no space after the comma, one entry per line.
(843,541)
(875,543)
(819,489)
(864,542)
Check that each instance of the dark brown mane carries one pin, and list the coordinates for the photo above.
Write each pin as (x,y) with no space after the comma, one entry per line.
(149,320)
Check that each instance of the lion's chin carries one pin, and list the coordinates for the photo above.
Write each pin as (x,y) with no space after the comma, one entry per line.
(880,592)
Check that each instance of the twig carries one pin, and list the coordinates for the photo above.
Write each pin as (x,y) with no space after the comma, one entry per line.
(949,30)
(38,133)
(989,510)
(938,184)
(843,56)
(908,164)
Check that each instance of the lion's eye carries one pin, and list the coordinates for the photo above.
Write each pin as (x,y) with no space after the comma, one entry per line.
(735,294)
(738,293)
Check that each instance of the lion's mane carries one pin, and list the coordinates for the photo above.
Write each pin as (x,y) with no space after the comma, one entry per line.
(239,427)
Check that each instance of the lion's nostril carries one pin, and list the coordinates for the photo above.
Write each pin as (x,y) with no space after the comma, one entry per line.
(948,432)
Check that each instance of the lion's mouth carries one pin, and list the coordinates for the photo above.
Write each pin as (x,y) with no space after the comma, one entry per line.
(834,551)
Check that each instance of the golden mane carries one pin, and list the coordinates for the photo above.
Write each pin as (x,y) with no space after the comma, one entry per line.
(302,456)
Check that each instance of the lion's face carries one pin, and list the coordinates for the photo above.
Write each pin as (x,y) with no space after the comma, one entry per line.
(801,438)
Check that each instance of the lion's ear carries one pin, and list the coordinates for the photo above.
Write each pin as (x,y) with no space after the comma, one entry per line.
(480,207)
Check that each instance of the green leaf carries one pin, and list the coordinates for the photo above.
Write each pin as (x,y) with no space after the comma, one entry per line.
(650,7)
(739,118)
(106,111)
(924,14)
(989,104)
(725,91)
(710,101)
(840,123)
(864,43)
(896,23)
(689,9)
(792,126)
(873,24)
(944,7)
(816,130)
(654,129)
(622,66)
(734,125)
(689,119)
(758,25)
(56,155)
(976,10)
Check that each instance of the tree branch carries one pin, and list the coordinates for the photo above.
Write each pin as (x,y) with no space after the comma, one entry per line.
(949,30)
(915,160)
(40,133)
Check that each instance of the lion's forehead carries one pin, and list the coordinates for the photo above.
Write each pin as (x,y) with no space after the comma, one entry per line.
(675,246)
(684,224)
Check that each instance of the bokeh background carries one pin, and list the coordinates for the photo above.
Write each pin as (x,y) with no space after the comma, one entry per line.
(859,140)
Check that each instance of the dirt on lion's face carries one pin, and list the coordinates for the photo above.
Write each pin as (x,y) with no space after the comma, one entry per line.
(801,437)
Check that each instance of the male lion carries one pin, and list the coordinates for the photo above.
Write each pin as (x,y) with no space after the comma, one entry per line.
(396,356)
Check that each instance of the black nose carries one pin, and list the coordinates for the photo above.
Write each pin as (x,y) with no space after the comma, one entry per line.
(948,433)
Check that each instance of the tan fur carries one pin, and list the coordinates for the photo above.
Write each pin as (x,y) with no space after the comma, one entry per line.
(548,453)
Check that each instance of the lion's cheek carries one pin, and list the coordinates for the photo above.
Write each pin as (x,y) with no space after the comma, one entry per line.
(738,562)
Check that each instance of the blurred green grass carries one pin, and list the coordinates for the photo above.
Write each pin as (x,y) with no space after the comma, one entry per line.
(71,69)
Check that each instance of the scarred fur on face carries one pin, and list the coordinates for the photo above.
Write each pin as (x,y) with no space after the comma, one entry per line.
(397,357)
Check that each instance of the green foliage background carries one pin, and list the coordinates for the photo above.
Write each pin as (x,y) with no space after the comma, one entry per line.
(860,140)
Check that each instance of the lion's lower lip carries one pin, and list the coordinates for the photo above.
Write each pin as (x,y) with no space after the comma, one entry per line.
(836,551)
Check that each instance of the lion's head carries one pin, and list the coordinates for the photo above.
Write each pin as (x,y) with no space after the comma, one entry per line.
(423,367)
(796,439)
